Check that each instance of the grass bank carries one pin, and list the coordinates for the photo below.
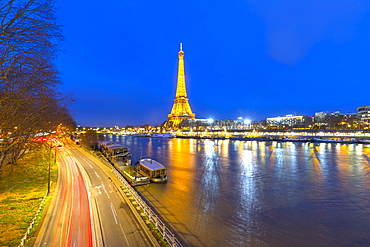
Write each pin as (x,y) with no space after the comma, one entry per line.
(22,188)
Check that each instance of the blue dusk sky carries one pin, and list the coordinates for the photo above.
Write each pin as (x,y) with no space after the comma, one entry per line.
(243,58)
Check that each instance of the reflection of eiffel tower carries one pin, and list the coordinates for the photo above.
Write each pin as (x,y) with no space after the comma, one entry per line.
(181,109)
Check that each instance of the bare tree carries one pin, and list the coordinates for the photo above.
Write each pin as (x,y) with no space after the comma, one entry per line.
(27,27)
(29,100)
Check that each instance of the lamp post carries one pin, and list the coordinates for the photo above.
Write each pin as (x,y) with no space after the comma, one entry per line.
(55,160)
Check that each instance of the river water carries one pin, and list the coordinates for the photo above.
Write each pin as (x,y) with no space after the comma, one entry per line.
(248,193)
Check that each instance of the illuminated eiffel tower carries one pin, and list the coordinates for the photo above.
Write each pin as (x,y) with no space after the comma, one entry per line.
(181,109)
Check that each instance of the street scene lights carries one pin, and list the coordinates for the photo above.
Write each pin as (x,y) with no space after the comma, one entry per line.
(247,122)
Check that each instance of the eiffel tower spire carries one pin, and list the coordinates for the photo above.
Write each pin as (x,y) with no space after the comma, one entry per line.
(181,109)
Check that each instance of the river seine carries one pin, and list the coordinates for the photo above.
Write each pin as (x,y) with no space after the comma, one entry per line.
(248,193)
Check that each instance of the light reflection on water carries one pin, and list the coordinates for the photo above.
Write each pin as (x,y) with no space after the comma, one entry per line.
(236,193)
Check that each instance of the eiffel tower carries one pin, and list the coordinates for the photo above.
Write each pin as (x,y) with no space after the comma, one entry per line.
(181,109)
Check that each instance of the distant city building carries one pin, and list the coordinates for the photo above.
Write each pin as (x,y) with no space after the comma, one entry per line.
(195,124)
(363,113)
(211,124)
(335,120)
(289,120)
(324,114)
(336,113)
(350,120)
(322,118)
(321,115)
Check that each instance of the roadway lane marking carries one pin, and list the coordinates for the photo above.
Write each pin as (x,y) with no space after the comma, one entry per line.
(105,190)
(90,166)
(114,213)
(97,175)
(124,234)
(102,185)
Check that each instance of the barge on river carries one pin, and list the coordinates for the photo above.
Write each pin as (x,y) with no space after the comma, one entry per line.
(162,135)
(120,157)
(152,169)
(116,153)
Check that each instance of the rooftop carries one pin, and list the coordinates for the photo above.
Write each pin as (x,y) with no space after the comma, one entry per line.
(152,164)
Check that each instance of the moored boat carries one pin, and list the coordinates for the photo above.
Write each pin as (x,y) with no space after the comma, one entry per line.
(236,138)
(120,158)
(116,153)
(344,141)
(142,134)
(363,141)
(152,169)
(291,140)
(162,135)
(135,180)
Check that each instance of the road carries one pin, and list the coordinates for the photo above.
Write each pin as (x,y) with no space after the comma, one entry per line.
(70,218)
(88,209)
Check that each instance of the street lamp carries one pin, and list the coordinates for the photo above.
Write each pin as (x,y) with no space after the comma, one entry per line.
(55,160)
(247,122)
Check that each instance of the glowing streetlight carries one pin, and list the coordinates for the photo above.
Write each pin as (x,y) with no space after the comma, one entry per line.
(210,120)
(247,122)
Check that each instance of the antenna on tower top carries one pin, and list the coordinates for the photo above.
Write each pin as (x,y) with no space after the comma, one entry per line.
(180,46)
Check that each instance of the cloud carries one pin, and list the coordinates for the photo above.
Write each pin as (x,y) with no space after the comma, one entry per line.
(293,27)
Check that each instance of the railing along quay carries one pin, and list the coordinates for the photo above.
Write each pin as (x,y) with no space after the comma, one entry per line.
(153,217)
(29,229)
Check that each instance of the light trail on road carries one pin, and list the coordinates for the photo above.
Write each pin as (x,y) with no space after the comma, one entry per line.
(88,209)
(118,225)
(70,223)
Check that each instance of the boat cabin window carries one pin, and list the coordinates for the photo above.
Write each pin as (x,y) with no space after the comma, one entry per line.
(159,173)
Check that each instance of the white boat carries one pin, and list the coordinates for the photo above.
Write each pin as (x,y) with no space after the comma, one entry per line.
(363,141)
(142,134)
(348,141)
(162,135)
(291,140)
(152,169)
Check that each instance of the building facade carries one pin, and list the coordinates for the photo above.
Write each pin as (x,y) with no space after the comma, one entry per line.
(288,120)
(363,113)
(319,116)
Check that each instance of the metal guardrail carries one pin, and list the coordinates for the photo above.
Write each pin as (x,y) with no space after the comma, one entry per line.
(28,231)
(153,217)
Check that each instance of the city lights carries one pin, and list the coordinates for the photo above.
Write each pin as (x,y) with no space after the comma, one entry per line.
(247,121)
